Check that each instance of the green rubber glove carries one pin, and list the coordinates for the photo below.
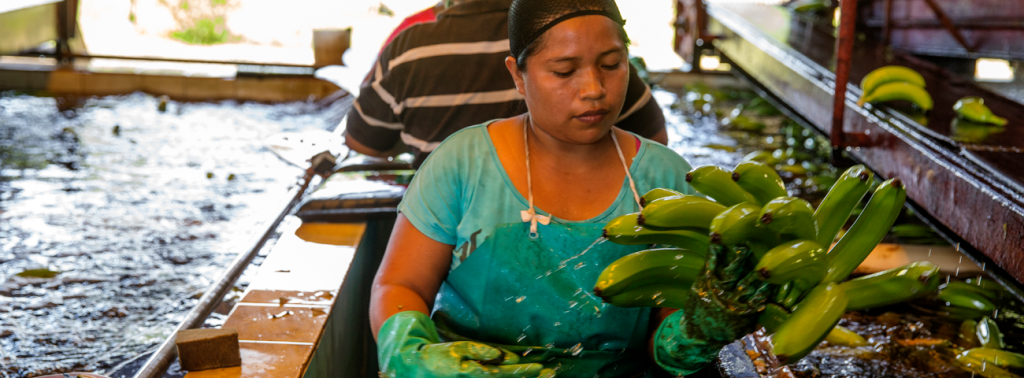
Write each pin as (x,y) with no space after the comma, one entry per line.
(408,346)
(722,307)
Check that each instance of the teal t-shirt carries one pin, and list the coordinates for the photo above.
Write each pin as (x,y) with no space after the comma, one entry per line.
(461,193)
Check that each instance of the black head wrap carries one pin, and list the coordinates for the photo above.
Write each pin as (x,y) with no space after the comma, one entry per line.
(528,19)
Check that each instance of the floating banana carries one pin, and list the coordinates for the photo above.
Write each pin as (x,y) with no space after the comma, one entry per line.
(835,209)
(790,218)
(625,230)
(670,266)
(809,323)
(796,260)
(680,212)
(1000,358)
(892,286)
(989,335)
(965,298)
(899,91)
(969,332)
(983,368)
(974,109)
(760,180)
(717,183)
(963,286)
(869,228)
(657,193)
(844,337)
(653,295)
(890,74)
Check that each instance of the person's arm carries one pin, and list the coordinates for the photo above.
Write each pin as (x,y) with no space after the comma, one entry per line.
(410,275)
(641,114)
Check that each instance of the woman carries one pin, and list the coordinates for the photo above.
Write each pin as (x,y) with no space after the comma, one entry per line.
(497,232)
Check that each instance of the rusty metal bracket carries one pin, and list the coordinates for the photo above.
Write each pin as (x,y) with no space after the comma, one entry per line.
(844,55)
(948,24)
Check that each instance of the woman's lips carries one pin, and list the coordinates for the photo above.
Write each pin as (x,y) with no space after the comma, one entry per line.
(593,116)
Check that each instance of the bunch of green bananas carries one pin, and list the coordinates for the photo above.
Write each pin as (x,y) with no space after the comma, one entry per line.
(895,83)
(973,109)
(788,239)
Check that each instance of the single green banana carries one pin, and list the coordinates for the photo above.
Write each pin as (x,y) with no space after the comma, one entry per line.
(657,193)
(989,285)
(680,212)
(1000,358)
(835,209)
(974,109)
(810,322)
(797,293)
(959,313)
(761,156)
(842,336)
(772,317)
(890,74)
(870,227)
(717,183)
(965,298)
(679,267)
(736,224)
(790,218)
(801,259)
(963,286)
(969,332)
(760,180)
(625,230)
(981,367)
(899,91)
(653,295)
(782,292)
(892,286)
(989,335)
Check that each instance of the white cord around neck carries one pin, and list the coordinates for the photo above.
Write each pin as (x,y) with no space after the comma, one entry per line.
(530,215)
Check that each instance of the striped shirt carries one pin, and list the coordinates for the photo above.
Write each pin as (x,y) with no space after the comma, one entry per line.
(436,78)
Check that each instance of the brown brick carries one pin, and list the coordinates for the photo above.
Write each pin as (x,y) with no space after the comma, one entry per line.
(204,349)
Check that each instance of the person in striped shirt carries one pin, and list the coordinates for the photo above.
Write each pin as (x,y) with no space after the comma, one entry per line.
(439,77)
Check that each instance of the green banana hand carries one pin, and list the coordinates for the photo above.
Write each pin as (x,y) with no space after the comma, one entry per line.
(717,183)
(625,230)
(838,204)
(974,109)
(653,295)
(890,74)
(680,212)
(899,91)
(674,266)
(796,260)
(1000,358)
(790,218)
(892,286)
(657,193)
(989,335)
(869,228)
(966,298)
(810,322)
(760,180)
(844,337)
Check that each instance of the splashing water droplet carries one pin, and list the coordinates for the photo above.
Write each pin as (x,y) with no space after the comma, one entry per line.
(678,257)
(577,292)
(558,324)
(520,299)
(575,350)
(580,266)
(520,339)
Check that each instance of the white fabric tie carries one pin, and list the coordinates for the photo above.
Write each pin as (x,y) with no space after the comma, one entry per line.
(530,215)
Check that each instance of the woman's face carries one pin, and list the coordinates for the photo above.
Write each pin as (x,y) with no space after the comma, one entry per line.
(575,84)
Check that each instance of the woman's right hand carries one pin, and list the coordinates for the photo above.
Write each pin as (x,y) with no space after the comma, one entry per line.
(408,346)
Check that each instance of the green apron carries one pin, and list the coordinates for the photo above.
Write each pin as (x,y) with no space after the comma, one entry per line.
(529,290)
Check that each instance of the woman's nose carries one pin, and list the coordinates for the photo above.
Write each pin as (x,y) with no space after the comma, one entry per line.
(592,86)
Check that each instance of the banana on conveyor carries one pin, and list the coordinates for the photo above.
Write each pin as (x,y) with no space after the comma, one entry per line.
(989,335)
(625,230)
(973,109)
(899,91)
(717,183)
(658,193)
(1000,358)
(870,227)
(790,218)
(962,295)
(677,212)
(890,74)
(774,316)
(892,286)
(841,336)
(800,260)
(672,267)
(810,323)
(760,180)
(653,295)
(835,209)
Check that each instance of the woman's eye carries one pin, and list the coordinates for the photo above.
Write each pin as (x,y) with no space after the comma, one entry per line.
(612,66)
(563,74)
